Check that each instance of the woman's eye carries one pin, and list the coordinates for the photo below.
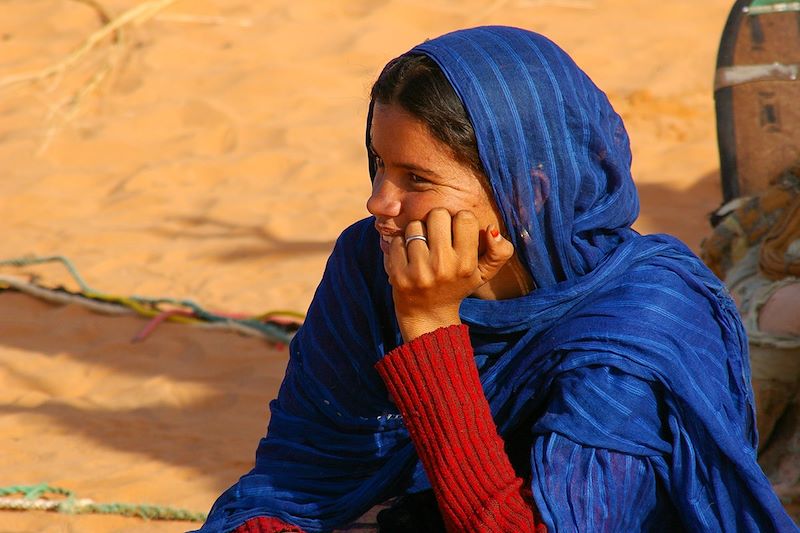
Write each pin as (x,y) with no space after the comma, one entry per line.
(418,179)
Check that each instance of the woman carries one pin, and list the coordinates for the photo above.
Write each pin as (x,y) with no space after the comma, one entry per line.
(498,333)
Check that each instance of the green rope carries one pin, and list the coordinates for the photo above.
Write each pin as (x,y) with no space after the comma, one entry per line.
(32,492)
(32,260)
(267,329)
(33,498)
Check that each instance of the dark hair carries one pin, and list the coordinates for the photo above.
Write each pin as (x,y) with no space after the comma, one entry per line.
(417,84)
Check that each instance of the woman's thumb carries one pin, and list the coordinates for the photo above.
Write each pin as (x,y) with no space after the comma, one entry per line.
(498,251)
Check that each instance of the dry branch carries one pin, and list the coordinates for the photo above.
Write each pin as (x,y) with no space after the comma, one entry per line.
(135,15)
(105,18)
(111,31)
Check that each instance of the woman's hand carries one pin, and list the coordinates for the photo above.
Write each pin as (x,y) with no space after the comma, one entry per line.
(429,280)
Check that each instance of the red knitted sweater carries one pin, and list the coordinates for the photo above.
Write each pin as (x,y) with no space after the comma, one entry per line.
(434,382)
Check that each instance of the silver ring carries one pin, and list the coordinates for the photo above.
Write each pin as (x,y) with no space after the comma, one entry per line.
(416,238)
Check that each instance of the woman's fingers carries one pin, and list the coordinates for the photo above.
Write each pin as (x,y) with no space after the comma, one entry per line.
(396,260)
(446,248)
(438,223)
(465,241)
(416,241)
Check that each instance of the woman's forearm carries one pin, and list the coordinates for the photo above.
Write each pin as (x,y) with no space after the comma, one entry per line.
(435,384)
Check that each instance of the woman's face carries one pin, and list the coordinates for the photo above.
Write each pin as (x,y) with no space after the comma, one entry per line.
(416,173)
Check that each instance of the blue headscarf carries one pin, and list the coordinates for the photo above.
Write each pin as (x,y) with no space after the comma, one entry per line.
(558,159)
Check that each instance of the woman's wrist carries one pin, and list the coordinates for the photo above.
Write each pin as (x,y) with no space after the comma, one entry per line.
(417,324)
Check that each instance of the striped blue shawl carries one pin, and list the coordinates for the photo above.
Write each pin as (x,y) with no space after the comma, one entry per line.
(558,159)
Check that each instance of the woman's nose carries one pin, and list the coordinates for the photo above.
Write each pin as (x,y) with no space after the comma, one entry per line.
(384,200)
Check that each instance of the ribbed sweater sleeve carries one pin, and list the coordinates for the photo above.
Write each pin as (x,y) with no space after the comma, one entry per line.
(434,382)
(266,524)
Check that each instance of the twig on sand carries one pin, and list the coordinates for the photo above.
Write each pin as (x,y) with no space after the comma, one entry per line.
(113,31)
(135,15)
(62,114)
(105,18)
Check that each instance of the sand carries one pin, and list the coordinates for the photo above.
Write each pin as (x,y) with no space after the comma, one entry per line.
(213,150)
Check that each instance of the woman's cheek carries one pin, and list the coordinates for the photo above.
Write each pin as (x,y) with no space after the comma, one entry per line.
(418,209)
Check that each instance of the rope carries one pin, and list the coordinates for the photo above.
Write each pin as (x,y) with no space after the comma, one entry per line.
(33,260)
(277,326)
(34,497)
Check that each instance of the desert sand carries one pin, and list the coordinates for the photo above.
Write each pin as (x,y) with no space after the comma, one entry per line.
(213,150)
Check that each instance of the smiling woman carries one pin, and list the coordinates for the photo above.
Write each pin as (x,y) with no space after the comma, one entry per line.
(495,349)
(416,173)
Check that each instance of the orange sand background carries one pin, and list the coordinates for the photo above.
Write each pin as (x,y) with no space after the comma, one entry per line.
(214,151)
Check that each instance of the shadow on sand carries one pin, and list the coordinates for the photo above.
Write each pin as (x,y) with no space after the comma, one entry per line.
(185,396)
(264,242)
(682,213)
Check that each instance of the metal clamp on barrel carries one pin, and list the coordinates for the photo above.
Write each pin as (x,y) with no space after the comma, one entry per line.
(762,8)
(739,74)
